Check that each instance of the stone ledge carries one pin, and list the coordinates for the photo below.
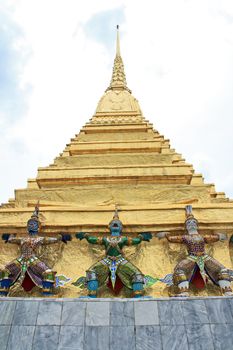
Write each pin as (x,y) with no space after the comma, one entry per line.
(126,324)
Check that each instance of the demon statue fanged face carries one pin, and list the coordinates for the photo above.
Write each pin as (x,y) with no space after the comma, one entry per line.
(33,224)
(115,227)
(191,225)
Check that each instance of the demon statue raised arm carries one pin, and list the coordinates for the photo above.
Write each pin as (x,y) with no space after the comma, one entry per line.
(27,268)
(115,266)
(198,266)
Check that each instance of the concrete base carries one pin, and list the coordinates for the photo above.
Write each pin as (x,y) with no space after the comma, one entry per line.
(125,324)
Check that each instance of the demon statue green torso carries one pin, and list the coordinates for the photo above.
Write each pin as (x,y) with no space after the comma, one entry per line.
(114,269)
(198,266)
(28,269)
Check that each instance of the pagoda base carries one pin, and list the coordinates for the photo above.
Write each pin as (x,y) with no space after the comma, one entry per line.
(127,324)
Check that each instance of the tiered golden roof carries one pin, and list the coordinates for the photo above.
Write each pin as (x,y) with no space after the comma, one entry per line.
(118,157)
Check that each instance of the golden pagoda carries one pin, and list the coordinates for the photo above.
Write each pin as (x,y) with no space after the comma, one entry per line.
(119,158)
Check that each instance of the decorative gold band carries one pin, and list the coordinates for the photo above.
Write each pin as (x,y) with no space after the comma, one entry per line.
(178,278)
(92,292)
(224,275)
(138,292)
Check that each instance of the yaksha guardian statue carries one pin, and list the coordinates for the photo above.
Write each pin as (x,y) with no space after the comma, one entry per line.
(27,268)
(198,266)
(115,266)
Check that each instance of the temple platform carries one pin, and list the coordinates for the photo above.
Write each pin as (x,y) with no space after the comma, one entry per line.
(125,324)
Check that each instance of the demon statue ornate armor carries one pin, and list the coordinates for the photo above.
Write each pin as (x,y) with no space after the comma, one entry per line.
(27,268)
(198,266)
(114,268)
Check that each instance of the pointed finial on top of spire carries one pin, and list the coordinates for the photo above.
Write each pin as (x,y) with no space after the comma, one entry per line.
(118,81)
(118,52)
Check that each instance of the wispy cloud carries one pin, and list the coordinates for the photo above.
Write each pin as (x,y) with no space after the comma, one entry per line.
(100,26)
(13,57)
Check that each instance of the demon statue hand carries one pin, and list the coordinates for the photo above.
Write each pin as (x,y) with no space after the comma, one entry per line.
(115,266)
(27,268)
(198,266)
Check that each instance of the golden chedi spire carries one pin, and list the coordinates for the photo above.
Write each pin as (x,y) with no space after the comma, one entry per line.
(117,105)
(118,81)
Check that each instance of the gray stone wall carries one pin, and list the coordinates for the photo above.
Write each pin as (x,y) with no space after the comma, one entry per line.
(116,324)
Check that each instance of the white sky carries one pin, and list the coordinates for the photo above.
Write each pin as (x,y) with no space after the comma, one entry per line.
(56,60)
